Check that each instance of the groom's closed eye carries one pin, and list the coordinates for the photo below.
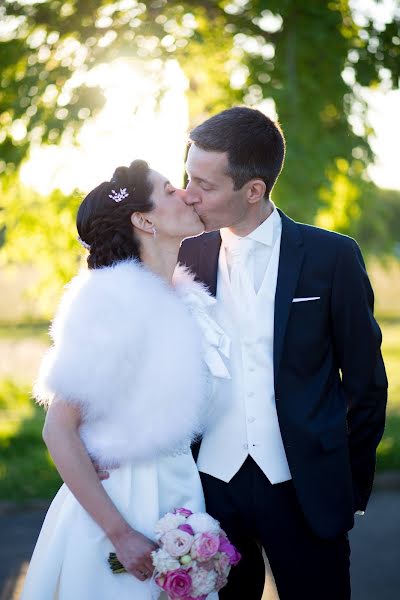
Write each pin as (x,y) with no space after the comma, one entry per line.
(204,184)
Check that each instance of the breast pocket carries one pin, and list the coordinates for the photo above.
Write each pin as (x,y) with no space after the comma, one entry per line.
(307,333)
(306,299)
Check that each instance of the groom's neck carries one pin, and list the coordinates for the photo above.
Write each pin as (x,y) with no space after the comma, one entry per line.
(254,217)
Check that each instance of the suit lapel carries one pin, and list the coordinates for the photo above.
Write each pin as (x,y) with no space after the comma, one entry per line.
(290,261)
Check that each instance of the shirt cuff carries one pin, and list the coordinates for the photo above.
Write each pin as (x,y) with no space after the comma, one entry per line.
(360,512)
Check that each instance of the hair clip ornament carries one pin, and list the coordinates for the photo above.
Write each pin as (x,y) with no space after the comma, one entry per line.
(118,196)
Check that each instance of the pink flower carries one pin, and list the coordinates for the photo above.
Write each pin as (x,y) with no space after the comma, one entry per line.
(222,563)
(208,565)
(176,584)
(183,511)
(230,550)
(221,582)
(186,528)
(205,546)
(177,542)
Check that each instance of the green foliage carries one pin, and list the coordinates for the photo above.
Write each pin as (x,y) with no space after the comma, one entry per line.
(307,59)
(293,52)
(360,209)
(38,330)
(40,230)
(377,229)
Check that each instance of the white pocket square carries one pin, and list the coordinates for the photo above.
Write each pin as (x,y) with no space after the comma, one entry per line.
(306,299)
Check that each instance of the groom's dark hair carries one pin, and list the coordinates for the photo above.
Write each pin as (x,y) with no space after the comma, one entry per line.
(255,144)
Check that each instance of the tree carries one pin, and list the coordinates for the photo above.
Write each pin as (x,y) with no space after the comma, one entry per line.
(310,58)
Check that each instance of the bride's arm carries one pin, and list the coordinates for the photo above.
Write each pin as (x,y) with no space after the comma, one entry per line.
(62,439)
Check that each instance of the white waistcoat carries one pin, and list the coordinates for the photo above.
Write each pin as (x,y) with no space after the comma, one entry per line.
(247,422)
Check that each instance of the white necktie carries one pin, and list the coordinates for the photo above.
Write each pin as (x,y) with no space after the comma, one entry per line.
(242,284)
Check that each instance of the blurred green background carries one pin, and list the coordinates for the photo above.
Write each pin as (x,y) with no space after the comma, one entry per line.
(87,85)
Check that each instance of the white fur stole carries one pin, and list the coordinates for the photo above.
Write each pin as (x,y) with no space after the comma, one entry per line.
(128,351)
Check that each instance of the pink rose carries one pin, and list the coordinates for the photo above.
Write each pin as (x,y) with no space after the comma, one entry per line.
(177,543)
(230,550)
(205,546)
(183,511)
(187,528)
(176,584)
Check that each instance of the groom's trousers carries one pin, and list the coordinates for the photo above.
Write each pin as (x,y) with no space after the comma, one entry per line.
(251,509)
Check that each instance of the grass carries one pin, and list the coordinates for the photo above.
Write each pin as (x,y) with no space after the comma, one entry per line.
(391,354)
(389,448)
(26,469)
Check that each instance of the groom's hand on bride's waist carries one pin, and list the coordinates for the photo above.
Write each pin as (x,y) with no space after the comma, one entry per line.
(101,473)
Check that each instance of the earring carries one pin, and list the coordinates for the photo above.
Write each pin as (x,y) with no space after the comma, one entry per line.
(154,232)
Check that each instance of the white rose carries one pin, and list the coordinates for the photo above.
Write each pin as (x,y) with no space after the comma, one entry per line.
(203,582)
(163,562)
(203,523)
(167,523)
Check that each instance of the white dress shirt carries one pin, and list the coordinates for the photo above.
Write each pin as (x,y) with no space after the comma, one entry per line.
(247,421)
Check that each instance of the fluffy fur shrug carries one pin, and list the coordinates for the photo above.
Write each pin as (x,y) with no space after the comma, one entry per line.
(128,351)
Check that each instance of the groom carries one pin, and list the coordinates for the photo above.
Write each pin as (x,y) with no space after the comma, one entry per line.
(290,456)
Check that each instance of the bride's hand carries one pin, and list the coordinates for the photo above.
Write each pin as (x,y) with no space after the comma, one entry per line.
(133,550)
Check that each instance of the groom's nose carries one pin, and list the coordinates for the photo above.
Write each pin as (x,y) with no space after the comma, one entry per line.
(191,196)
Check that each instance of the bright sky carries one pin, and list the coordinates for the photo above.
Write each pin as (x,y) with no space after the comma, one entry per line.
(130,126)
(384,116)
(384,107)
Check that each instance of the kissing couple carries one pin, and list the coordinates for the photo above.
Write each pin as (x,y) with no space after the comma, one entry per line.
(215,355)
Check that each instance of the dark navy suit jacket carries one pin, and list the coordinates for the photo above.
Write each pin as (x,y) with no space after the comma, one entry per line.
(330,380)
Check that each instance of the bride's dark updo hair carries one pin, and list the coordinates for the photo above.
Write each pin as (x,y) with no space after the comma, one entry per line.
(104,224)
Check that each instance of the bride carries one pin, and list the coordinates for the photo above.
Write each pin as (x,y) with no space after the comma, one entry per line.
(126,387)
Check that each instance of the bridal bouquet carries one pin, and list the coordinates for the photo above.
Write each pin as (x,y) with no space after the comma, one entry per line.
(195,555)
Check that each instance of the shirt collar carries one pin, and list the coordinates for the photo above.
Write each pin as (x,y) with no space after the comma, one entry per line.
(264,233)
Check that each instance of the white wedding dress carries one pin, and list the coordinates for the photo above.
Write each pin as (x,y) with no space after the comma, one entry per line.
(70,557)
(70,560)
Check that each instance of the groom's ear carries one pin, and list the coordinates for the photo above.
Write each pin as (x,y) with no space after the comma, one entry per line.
(140,221)
(256,189)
